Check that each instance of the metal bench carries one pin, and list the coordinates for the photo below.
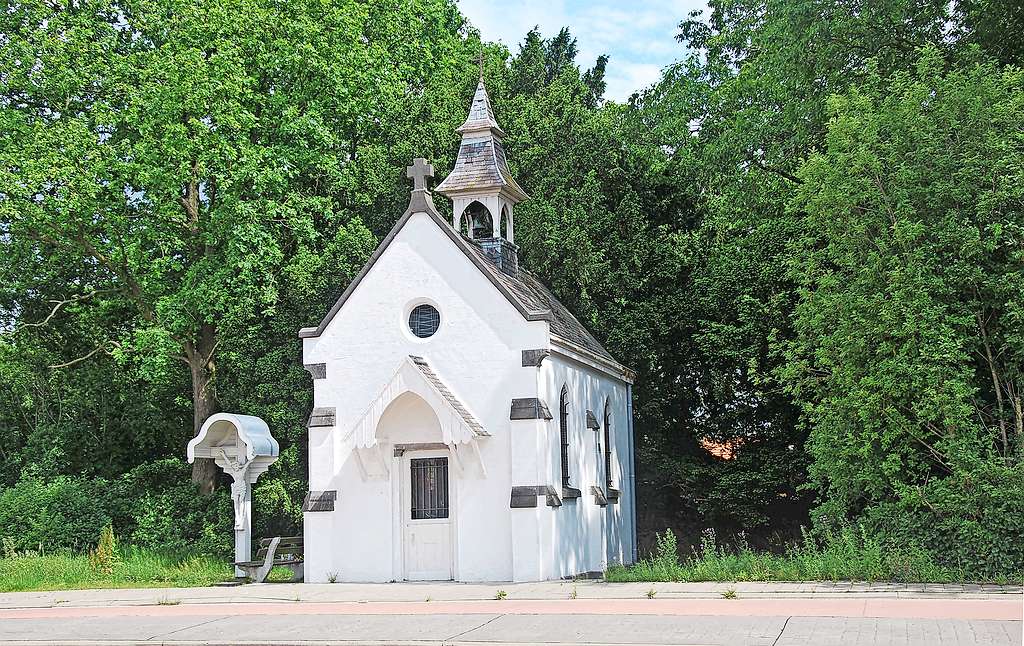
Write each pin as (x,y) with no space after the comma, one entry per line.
(278,551)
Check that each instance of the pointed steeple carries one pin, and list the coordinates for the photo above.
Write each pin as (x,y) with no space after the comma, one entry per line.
(481,114)
(481,187)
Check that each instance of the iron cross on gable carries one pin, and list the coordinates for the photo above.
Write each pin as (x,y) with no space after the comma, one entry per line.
(419,172)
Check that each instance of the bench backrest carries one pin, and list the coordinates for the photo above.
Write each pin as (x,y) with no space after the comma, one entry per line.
(290,545)
(286,541)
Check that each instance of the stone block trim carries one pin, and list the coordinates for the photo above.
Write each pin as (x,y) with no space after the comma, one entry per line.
(526,497)
(613,496)
(571,493)
(319,501)
(400,449)
(321,417)
(316,370)
(532,358)
(529,408)
(599,496)
(592,421)
(523,497)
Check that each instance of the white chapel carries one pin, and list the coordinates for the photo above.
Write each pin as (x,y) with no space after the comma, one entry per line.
(466,426)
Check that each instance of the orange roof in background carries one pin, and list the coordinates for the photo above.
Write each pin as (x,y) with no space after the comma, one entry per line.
(722,450)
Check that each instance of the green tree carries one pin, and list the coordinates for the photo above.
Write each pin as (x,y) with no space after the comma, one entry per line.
(181,160)
(908,358)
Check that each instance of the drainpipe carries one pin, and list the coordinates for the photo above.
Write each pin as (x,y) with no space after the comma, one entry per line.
(632,469)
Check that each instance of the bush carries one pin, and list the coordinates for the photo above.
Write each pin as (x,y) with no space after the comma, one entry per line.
(169,514)
(971,521)
(105,557)
(154,506)
(62,513)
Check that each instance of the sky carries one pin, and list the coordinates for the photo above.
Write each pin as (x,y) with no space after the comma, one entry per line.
(639,36)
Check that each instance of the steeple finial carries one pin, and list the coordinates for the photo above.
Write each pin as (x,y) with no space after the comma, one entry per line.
(480,60)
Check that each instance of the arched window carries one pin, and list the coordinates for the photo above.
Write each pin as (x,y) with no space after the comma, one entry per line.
(563,429)
(607,446)
(479,220)
(503,225)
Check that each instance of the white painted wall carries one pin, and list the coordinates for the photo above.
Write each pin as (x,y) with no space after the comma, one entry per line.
(586,537)
(477,353)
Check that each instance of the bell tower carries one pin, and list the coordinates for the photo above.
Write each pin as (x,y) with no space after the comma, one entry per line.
(481,187)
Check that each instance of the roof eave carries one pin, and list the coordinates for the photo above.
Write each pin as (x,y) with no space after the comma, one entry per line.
(579,353)
(510,191)
(480,127)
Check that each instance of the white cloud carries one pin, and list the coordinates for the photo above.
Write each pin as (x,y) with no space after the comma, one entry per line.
(638,36)
(626,78)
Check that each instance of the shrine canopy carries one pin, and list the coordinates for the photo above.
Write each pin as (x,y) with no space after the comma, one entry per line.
(239,438)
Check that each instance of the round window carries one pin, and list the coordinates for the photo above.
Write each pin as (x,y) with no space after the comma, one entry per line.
(424,320)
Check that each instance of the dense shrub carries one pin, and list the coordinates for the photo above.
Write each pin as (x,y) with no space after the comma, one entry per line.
(154,506)
(62,513)
(971,521)
(177,519)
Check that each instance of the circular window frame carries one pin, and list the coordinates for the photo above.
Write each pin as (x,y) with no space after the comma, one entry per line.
(407,313)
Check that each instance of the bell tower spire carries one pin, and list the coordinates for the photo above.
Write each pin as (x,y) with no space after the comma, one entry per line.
(481,187)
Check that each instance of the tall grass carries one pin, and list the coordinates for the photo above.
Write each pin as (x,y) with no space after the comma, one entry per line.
(134,568)
(849,555)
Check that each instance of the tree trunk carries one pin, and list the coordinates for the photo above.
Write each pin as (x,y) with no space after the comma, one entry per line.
(204,399)
(996,385)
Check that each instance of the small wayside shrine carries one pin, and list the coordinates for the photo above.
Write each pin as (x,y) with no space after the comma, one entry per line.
(466,425)
(243,447)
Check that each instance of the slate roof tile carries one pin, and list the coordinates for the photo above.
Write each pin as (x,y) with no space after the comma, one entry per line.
(432,377)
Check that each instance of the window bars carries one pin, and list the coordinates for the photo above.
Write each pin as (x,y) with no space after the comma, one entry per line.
(429,478)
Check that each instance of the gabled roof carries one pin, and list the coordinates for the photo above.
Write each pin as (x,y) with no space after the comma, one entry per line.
(525,291)
(453,401)
(415,375)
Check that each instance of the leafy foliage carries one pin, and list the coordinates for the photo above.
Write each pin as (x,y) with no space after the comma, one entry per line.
(908,355)
(806,238)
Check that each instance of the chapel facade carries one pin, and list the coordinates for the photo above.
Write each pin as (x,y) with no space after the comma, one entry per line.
(466,425)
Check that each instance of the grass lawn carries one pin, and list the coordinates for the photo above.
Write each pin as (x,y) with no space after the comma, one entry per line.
(848,556)
(136,568)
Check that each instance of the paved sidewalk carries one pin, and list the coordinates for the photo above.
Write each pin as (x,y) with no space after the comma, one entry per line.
(582,613)
(586,589)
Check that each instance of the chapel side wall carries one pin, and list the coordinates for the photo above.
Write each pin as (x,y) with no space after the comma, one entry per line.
(476,352)
(584,536)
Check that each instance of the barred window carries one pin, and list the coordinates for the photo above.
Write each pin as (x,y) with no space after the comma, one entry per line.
(424,321)
(429,488)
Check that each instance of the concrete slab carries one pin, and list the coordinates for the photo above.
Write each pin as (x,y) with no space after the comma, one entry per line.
(498,630)
(534,629)
(851,631)
(341,592)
